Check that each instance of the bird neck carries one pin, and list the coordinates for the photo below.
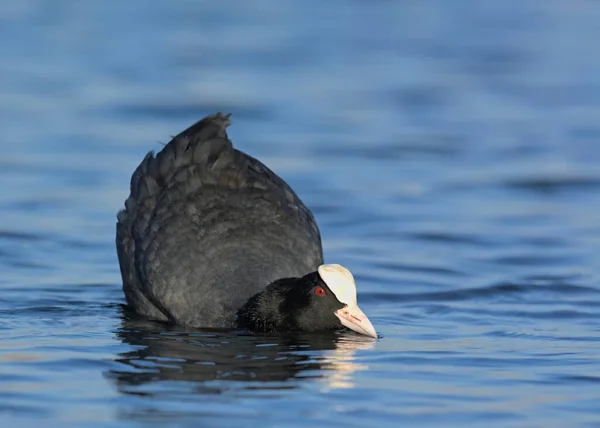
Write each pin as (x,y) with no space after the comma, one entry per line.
(265,311)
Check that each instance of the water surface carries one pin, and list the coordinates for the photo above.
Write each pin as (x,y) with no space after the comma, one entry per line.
(449,151)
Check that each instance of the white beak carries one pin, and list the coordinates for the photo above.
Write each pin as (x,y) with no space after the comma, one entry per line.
(353,318)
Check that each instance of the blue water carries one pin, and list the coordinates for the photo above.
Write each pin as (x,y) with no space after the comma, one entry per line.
(450,151)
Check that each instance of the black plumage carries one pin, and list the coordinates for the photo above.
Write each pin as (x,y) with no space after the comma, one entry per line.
(292,304)
(210,237)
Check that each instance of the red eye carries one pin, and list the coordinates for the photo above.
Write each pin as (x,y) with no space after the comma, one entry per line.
(319,291)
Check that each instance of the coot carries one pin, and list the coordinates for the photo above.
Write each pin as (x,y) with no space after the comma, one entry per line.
(212,238)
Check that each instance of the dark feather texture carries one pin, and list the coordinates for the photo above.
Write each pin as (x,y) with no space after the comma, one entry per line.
(206,227)
(291,304)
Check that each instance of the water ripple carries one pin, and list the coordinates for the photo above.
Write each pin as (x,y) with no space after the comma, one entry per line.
(449,151)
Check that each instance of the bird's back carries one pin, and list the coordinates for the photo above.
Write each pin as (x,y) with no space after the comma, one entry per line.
(206,226)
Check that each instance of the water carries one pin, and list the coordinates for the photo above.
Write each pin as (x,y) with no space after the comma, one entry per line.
(449,151)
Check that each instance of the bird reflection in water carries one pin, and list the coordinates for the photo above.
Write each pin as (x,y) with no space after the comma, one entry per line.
(212,360)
